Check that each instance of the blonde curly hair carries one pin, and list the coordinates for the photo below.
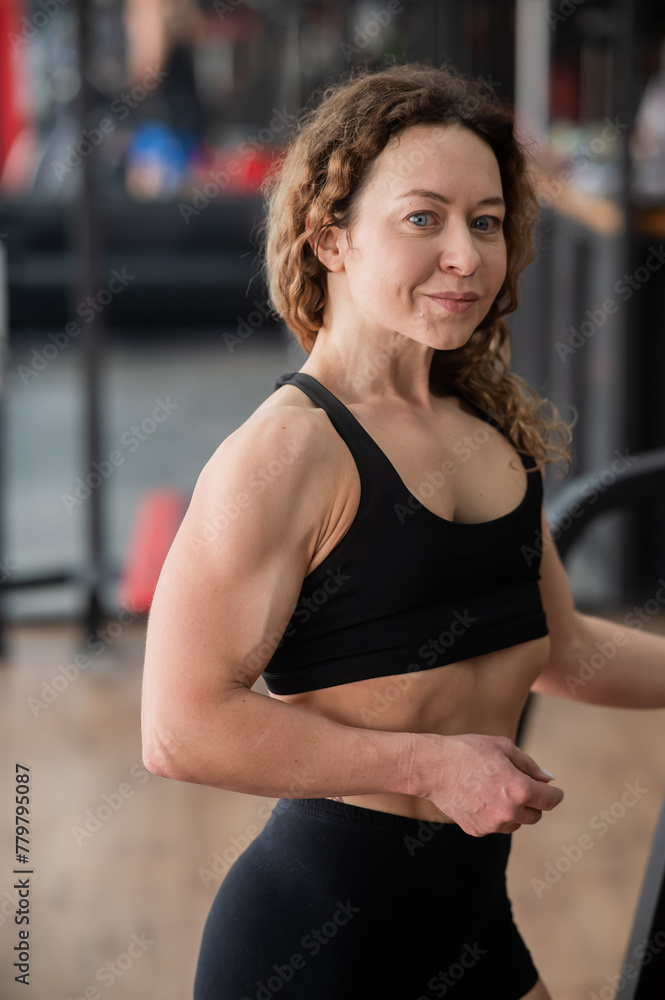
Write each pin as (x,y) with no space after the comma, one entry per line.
(321,174)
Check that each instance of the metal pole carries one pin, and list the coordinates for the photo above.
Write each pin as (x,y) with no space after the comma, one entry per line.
(624,106)
(87,243)
(532,66)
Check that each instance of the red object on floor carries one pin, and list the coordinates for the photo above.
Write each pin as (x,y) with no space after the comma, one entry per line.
(157,520)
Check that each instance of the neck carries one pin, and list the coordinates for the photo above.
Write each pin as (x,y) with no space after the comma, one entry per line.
(382,368)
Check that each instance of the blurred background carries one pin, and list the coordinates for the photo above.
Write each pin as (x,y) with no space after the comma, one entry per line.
(136,334)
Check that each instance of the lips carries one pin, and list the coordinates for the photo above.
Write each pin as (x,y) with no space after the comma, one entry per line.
(456,296)
(456,302)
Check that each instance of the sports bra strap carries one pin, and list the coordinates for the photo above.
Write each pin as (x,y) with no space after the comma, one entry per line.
(362,445)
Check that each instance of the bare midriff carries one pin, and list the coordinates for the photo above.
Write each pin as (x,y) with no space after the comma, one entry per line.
(484,694)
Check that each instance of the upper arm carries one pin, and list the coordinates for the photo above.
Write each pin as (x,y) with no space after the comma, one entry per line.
(562,620)
(234,572)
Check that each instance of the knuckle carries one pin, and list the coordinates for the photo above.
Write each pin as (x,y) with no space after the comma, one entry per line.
(521,794)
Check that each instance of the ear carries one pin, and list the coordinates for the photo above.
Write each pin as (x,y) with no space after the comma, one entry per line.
(328,244)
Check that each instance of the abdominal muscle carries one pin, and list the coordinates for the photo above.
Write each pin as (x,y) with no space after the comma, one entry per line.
(484,695)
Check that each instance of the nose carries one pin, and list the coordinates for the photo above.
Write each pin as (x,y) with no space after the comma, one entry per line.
(460,251)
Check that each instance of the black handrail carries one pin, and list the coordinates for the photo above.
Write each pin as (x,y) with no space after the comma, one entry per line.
(642,975)
(575,507)
(572,510)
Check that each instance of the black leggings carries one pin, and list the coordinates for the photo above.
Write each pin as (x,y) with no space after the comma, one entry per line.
(333,901)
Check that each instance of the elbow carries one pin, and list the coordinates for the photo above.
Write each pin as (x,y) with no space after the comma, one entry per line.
(160,757)
(156,763)
(182,759)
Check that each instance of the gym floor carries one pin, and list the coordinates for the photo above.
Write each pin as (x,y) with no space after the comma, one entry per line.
(124,861)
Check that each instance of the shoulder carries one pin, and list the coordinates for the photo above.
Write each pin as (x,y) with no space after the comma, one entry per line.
(285,457)
(286,422)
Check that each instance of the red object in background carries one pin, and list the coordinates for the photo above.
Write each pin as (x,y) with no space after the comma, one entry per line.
(217,172)
(565,89)
(157,520)
(15,131)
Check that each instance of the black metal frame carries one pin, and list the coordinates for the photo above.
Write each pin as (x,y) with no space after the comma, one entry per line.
(574,508)
(642,975)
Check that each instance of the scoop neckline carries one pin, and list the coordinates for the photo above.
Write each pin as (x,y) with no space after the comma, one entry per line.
(438,517)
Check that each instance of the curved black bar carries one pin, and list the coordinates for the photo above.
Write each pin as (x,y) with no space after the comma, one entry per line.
(571,510)
(642,975)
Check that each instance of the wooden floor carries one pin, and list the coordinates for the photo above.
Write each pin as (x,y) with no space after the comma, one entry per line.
(136,873)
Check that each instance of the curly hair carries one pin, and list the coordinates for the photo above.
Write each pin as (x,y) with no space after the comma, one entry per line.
(322,173)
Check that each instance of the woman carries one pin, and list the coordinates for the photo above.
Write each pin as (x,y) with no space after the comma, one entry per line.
(367,540)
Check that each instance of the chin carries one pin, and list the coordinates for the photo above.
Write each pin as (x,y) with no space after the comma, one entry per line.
(451,341)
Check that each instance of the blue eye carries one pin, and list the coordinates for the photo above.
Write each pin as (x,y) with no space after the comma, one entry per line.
(489,221)
(419,215)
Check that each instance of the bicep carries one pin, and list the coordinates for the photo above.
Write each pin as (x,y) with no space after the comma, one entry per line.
(231,579)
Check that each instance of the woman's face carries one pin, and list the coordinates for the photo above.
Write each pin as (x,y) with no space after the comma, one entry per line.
(428,253)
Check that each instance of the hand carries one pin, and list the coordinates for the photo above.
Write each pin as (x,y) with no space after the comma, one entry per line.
(486,784)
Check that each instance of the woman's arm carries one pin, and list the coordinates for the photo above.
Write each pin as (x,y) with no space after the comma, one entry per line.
(592,659)
(227,590)
(225,594)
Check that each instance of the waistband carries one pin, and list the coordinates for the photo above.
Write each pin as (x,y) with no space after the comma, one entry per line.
(347,812)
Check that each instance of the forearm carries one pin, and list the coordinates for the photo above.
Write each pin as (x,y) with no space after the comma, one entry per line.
(261,746)
(609,664)
(255,744)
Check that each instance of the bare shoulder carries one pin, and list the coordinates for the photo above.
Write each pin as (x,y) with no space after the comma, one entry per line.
(285,468)
(285,427)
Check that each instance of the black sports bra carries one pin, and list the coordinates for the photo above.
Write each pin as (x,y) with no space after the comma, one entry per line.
(406,589)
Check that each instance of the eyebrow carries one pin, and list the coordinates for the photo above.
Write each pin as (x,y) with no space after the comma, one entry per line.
(423,193)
